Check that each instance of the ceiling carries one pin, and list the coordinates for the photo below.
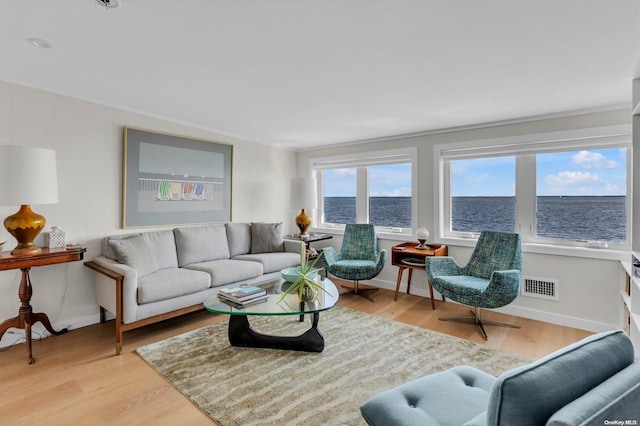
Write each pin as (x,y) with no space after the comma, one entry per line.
(299,74)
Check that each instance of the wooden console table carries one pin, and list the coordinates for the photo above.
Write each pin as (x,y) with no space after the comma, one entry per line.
(26,318)
(402,256)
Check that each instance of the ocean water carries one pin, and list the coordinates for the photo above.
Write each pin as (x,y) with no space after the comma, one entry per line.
(568,217)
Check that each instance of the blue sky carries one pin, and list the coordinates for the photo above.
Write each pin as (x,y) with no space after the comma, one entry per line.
(592,172)
(391,180)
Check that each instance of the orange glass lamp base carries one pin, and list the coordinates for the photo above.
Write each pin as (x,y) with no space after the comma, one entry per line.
(303,221)
(24,226)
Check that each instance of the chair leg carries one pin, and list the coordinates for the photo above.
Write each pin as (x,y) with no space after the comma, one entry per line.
(477,319)
(361,291)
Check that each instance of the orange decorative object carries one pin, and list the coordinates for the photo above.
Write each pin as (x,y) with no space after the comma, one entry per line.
(303,221)
(24,226)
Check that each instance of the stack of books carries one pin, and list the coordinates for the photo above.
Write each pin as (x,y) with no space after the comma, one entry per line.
(241,297)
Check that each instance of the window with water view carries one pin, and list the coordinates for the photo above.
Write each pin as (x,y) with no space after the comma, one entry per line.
(387,203)
(578,195)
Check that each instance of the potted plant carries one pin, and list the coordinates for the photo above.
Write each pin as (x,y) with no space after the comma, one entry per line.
(302,279)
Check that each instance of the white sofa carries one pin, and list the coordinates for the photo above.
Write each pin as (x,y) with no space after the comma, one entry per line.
(148,277)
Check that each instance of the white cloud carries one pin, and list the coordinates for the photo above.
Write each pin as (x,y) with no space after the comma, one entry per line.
(567,178)
(613,189)
(344,172)
(593,160)
(398,192)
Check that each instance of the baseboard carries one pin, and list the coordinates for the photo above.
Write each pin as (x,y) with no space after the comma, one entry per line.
(563,320)
(15,336)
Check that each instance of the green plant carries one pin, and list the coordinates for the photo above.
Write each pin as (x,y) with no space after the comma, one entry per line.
(304,272)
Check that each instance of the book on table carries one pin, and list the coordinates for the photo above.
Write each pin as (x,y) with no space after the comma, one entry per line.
(241,294)
(250,302)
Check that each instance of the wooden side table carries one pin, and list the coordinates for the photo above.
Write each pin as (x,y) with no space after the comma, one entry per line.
(407,256)
(26,318)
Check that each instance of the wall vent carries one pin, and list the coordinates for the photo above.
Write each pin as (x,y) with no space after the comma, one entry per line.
(543,288)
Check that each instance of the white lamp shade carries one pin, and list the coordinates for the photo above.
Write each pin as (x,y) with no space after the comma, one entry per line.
(304,193)
(28,175)
(422,234)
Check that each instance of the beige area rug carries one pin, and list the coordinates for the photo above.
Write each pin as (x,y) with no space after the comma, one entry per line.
(364,355)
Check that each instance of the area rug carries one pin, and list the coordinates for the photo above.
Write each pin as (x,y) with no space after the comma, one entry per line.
(364,355)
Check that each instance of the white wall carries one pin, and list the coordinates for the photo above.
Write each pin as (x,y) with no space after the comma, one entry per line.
(88,140)
(588,287)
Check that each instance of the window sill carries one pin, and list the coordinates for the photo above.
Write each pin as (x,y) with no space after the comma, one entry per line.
(554,250)
(384,235)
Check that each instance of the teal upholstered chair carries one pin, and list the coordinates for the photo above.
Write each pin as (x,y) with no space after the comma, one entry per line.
(359,258)
(490,279)
(590,383)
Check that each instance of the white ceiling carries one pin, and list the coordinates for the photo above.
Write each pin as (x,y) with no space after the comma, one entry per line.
(302,73)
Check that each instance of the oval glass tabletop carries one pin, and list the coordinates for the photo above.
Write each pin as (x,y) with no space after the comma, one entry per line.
(275,304)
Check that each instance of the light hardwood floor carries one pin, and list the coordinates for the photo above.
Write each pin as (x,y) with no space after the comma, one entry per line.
(77,379)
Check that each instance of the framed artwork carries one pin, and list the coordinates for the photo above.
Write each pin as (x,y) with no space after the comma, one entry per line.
(174,180)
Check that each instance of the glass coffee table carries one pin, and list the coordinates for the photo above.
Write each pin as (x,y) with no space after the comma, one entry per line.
(241,334)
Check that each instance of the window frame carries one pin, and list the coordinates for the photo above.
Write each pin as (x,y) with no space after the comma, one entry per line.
(362,161)
(525,148)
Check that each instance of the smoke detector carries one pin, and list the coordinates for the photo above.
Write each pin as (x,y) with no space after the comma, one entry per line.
(109,4)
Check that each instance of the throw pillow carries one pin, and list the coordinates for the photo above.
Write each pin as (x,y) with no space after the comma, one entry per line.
(201,244)
(135,252)
(239,236)
(266,237)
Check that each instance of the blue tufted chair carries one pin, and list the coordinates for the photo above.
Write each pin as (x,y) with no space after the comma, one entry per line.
(490,279)
(359,258)
(592,382)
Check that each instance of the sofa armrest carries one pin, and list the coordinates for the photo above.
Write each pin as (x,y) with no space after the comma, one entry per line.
(108,279)
(292,246)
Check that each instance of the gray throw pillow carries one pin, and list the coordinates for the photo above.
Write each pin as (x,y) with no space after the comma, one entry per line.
(201,244)
(266,237)
(135,252)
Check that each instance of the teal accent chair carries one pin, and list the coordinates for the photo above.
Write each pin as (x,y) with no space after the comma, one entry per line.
(491,278)
(593,382)
(359,258)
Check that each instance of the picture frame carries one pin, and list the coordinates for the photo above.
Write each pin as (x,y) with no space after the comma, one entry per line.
(174,180)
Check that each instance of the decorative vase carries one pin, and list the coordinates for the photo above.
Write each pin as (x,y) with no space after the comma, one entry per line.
(307,293)
(303,221)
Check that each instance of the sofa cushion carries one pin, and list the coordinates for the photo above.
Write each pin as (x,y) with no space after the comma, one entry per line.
(266,237)
(107,251)
(201,244)
(451,397)
(226,271)
(169,283)
(239,237)
(617,398)
(163,247)
(536,391)
(272,262)
(135,252)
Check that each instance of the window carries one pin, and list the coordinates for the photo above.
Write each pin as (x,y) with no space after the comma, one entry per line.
(565,191)
(339,189)
(390,195)
(483,194)
(374,188)
(581,195)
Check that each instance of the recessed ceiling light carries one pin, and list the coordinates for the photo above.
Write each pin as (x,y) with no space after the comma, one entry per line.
(40,43)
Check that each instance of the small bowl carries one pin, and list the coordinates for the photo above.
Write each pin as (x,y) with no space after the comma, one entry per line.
(292,274)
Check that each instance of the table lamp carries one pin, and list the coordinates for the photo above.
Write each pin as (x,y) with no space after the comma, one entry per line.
(27,176)
(422,235)
(304,194)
